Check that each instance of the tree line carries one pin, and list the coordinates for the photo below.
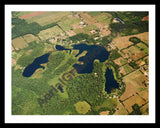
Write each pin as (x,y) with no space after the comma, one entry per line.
(22,28)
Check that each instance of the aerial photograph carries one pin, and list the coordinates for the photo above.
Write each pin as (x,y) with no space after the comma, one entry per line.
(80,63)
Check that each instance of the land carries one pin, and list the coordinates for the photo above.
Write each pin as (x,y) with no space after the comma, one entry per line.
(36,33)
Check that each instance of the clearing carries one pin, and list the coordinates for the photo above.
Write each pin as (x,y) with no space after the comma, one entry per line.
(19,43)
(82,107)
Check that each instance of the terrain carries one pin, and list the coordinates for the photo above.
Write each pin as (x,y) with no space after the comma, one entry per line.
(58,89)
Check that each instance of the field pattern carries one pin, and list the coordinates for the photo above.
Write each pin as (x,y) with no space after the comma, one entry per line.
(56,88)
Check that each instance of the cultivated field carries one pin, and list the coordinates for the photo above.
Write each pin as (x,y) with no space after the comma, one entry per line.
(47,17)
(29,38)
(120,61)
(133,81)
(67,22)
(31,14)
(50,32)
(123,42)
(19,43)
(133,100)
(120,109)
(126,69)
(134,52)
(103,18)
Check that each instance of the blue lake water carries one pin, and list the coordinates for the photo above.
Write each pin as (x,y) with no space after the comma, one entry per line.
(119,20)
(110,81)
(93,52)
(61,48)
(30,69)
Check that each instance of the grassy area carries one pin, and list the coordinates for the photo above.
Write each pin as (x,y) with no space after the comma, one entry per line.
(67,22)
(103,18)
(50,32)
(47,18)
(82,107)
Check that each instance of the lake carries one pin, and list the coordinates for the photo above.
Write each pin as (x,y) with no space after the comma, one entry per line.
(61,48)
(93,52)
(30,69)
(110,81)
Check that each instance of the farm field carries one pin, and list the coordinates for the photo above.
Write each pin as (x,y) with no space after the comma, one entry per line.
(30,14)
(120,61)
(56,87)
(68,22)
(19,43)
(134,81)
(50,32)
(29,38)
(133,100)
(126,69)
(47,17)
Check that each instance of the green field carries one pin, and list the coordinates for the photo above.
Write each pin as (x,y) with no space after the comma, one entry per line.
(58,89)
(47,18)
(67,22)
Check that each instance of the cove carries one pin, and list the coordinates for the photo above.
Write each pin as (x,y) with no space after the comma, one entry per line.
(93,52)
(110,81)
(30,69)
(60,48)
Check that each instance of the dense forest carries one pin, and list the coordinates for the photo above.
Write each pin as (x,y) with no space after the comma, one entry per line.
(133,23)
(82,36)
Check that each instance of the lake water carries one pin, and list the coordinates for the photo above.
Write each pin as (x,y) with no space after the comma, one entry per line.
(110,81)
(93,52)
(30,69)
(61,48)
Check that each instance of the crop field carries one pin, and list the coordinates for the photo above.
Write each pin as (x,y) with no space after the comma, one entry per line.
(136,53)
(143,37)
(20,13)
(56,87)
(103,18)
(67,22)
(144,109)
(121,110)
(47,17)
(50,32)
(144,94)
(126,69)
(131,101)
(133,81)
(19,43)
(31,14)
(120,61)
(143,47)
(29,38)
(122,42)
